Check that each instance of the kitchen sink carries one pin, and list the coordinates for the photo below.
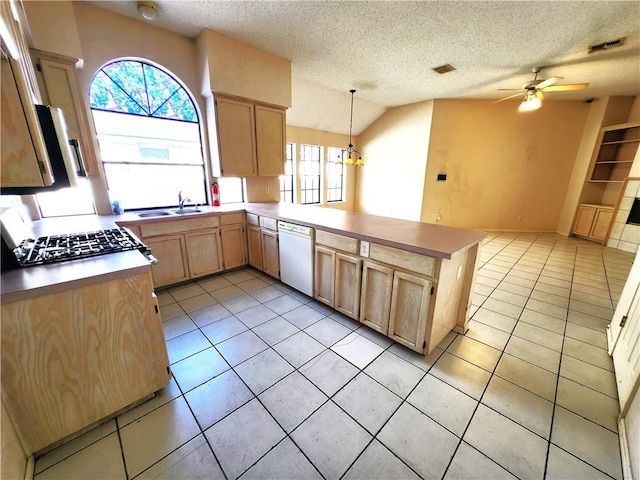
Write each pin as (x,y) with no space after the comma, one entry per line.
(153,213)
(186,210)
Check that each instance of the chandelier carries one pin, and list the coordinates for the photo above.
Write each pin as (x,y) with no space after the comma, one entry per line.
(350,152)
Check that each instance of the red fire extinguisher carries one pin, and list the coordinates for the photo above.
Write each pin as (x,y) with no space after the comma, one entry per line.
(215,194)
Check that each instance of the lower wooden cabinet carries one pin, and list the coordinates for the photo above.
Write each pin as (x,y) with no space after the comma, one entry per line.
(375,301)
(348,278)
(270,252)
(409,309)
(325,274)
(234,246)
(204,252)
(172,267)
(254,242)
(593,221)
(75,357)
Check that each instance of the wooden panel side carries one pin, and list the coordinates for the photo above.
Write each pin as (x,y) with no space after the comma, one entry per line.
(232,219)
(234,246)
(73,358)
(204,252)
(409,309)
(270,140)
(236,137)
(339,242)
(413,262)
(172,264)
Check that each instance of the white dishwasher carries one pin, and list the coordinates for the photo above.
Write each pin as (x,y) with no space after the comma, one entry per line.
(296,256)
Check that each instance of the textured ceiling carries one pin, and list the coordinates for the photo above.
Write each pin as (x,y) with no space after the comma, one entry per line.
(386,50)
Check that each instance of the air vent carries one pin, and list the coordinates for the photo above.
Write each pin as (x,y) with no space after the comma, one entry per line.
(606,45)
(443,69)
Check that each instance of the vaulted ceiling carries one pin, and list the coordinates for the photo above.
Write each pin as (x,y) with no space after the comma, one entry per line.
(386,49)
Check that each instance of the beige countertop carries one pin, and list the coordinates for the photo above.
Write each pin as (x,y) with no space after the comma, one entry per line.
(428,239)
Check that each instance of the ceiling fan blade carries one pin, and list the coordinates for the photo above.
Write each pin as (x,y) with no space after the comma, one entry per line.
(564,88)
(513,89)
(548,82)
(539,94)
(510,96)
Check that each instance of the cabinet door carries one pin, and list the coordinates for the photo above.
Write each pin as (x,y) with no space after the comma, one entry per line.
(409,309)
(234,246)
(204,252)
(325,261)
(270,254)
(172,259)
(348,281)
(236,137)
(375,304)
(601,223)
(270,140)
(254,239)
(584,220)
(62,88)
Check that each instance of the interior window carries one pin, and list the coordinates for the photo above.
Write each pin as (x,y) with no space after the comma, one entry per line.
(335,174)
(286,180)
(149,134)
(310,156)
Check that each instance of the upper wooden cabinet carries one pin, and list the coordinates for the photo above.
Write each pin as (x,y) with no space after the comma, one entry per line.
(59,87)
(25,162)
(247,139)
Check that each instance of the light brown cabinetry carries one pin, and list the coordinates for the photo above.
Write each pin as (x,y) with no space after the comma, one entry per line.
(262,239)
(185,248)
(234,242)
(270,253)
(375,302)
(409,309)
(249,137)
(60,87)
(254,241)
(614,153)
(338,272)
(24,159)
(593,221)
(72,358)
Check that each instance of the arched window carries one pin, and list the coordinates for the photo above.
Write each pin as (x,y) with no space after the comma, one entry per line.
(149,134)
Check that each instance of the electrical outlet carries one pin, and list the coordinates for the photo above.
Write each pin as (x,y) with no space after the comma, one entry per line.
(364,249)
(437,217)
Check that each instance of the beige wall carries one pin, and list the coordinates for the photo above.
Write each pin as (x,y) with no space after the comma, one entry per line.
(309,136)
(394,149)
(63,39)
(506,170)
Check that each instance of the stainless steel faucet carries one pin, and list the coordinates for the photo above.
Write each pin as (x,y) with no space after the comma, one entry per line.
(181,200)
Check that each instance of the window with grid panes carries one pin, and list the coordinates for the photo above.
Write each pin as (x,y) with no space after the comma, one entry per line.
(310,158)
(286,180)
(334,176)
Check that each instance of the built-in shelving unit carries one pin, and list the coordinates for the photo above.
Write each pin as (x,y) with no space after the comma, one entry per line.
(616,149)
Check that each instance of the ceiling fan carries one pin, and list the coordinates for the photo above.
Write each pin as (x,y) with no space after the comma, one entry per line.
(532,90)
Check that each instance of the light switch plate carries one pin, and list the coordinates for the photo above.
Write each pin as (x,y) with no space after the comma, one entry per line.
(364,249)
(459,272)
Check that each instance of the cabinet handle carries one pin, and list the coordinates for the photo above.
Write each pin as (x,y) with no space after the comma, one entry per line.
(79,160)
(623,321)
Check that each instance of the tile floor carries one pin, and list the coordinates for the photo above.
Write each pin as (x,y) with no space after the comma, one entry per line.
(270,384)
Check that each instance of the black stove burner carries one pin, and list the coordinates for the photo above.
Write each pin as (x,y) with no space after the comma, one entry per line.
(60,248)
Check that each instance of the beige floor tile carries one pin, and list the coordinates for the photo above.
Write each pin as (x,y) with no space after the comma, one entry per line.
(404,435)
(547,309)
(522,274)
(446,405)
(252,285)
(214,283)
(238,276)
(196,303)
(590,290)
(520,451)
(164,298)
(157,434)
(492,274)
(552,289)
(102,459)
(552,298)
(189,290)
(226,293)
(528,376)
(597,378)
(554,281)
(494,319)
(562,466)
(588,403)
(599,301)
(170,311)
(589,321)
(393,372)
(425,362)
(482,290)
(487,281)
(469,463)
(488,335)
(475,352)
(461,374)
(605,313)
(533,353)
(513,288)
(178,326)
(591,443)
(520,405)
(543,321)
(285,460)
(519,281)
(161,397)
(541,336)
(586,335)
(588,353)
(186,345)
(192,460)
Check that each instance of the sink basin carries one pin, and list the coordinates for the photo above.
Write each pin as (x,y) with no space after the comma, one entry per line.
(153,213)
(186,210)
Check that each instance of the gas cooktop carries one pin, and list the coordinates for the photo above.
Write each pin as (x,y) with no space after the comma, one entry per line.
(73,246)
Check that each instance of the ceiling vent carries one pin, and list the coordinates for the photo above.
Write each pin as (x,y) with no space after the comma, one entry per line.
(443,69)
(606,45)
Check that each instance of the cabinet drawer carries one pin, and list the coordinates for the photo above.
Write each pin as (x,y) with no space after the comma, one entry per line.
(339,242)
(232,219)
(253,219)
(269,223)
(414,262)
(177,226)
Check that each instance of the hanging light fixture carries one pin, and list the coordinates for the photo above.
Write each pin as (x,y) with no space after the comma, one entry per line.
(532,101)
(350,152)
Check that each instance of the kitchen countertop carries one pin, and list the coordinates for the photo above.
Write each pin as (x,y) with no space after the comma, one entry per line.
(434,240)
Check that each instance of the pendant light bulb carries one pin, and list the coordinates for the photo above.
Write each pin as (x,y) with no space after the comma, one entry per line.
(350,151)
(531,102)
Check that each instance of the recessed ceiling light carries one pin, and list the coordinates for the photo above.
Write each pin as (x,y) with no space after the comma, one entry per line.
(446,68)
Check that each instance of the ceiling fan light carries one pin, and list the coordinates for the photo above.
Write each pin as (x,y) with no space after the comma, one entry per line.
(531,102)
